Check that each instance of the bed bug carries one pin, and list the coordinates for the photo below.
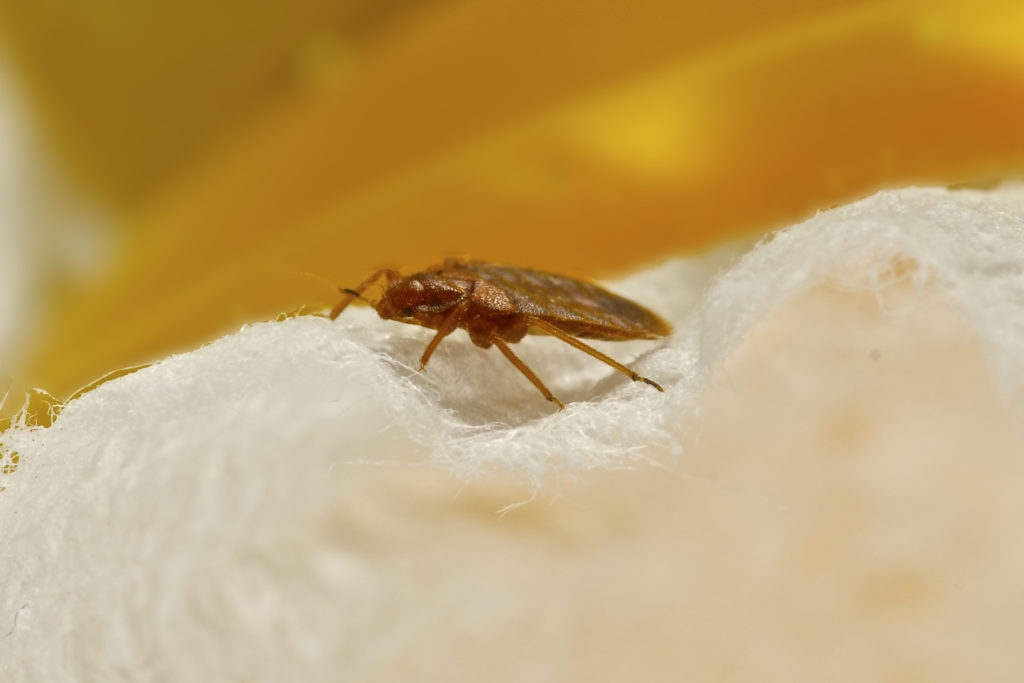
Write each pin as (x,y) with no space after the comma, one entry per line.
(498,305)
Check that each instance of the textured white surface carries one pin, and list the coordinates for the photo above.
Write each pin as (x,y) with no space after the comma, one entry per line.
(829,487)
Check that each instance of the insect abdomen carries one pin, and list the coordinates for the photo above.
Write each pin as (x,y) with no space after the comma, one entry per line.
(580,308)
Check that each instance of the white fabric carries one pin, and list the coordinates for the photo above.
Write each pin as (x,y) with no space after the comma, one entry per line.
(295,502)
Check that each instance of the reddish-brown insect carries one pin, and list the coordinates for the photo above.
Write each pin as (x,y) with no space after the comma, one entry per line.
(498,305)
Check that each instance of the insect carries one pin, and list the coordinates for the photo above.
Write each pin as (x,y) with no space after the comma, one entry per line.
(498,305)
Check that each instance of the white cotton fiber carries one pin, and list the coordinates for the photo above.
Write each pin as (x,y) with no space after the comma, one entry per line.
(296,502)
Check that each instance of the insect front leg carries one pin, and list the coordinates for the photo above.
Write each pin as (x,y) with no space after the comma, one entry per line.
(352,294)
(447,327)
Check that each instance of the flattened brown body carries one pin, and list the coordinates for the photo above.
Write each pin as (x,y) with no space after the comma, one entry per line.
(499,304)
(577,307)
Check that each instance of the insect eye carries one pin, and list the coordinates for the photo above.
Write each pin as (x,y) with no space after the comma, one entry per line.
(409,310)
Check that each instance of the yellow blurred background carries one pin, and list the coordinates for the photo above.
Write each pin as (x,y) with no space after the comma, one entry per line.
(199,161)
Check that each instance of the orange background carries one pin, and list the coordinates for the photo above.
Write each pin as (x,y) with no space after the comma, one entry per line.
(234,148)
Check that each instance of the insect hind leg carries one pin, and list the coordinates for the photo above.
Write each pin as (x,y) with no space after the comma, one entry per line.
(525,369)
(573,341)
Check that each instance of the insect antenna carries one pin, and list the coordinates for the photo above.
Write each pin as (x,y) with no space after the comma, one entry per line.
(354,294)
(346,290)
(357,293)
(350,296)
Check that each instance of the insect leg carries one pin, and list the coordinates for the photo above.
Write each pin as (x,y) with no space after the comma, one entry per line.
(352,294)
(524,368)
(573,341)
(446,328)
